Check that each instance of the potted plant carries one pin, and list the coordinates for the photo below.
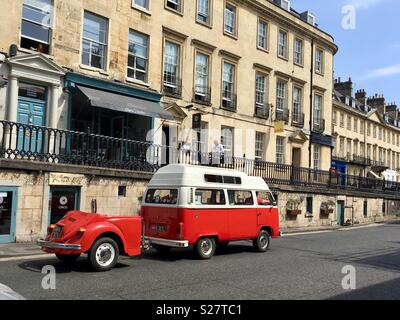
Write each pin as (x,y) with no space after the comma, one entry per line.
(292,207)
(327,207)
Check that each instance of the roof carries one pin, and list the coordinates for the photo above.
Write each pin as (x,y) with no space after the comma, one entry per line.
(180,175)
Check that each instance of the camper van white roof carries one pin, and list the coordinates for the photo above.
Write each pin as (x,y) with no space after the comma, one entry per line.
(179,175)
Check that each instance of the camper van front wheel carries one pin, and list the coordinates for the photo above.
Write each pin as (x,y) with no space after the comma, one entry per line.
(261,244)
(205,248)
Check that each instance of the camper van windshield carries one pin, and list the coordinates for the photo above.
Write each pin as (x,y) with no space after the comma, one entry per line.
(162,196)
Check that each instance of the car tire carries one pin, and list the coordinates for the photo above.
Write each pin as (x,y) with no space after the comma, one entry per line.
(67,258)
(205,248)
(161,249)
(263,241)
(103,254)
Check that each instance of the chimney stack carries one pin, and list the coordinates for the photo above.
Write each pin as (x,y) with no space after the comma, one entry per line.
(344,88)
(377,102)
(361,97)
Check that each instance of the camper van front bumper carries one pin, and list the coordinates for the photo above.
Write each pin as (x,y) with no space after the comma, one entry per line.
(168,243)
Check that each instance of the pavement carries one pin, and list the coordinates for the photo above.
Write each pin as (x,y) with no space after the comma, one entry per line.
(302,266)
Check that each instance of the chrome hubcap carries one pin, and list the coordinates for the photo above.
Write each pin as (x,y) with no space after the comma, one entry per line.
(206,246)
(105,254)
(263,241)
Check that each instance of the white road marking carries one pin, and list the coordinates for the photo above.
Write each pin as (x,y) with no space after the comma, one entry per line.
(6,293)
(328,231)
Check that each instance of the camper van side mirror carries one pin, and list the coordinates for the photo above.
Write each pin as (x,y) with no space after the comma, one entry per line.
(274,203)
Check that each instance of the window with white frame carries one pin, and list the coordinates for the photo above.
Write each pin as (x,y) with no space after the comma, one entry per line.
(348,148)
(228,85)
(348,122)
(142,3)
(230,19)
(227,140)
(138,55)
(318,110)
(341,120)
(261,94)
(334,118)
(260,145)
(317,157)
(204,11)
(94,42)
(202,74)
(262,34)
(37,19)
(298,51)
(282,44)
(319,61)
(174,5)
(281,95)
(297,105)
(280,150)
(171,64)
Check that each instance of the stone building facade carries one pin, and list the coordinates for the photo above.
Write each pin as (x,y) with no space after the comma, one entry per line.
(87,86)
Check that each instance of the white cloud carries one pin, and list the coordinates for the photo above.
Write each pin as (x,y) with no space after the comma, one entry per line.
(364,3)
(383,72)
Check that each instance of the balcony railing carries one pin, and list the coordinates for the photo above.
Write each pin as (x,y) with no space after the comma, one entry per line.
(229,101)
(282,115)
(319,125)
(172,88)
(262,111)
(298,119)
(47,145)
(202,95)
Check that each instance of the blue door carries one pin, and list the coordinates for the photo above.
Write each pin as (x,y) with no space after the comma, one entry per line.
(8,203)
(32,112)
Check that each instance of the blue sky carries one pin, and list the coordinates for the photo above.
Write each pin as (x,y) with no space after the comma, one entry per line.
(370,53)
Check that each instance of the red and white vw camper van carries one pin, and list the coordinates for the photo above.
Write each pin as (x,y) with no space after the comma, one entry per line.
(205,207)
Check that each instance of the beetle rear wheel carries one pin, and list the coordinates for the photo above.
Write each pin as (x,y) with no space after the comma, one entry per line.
(103,254)
(205,248)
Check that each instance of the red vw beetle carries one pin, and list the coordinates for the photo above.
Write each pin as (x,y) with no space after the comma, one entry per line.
(102,237)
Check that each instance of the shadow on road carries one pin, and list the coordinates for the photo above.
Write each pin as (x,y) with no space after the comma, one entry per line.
(388,290)
(81,265)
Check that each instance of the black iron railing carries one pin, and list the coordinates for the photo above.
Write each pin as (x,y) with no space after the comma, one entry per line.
(202,95)
(262,111)
(298,119)
(172,86)
(26,142)
(282,115)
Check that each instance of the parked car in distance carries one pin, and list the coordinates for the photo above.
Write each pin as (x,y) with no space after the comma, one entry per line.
(206,207)
(102,237)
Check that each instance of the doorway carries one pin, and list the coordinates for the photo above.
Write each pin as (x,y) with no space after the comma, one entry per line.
(8,203)
(166,143)
(296,157)
(31,111)
(62,201)
(340,213)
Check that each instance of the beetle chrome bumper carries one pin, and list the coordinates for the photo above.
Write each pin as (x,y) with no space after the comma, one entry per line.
(168,243)
(57,245)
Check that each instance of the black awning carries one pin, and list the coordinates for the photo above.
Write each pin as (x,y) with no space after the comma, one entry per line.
(118,102)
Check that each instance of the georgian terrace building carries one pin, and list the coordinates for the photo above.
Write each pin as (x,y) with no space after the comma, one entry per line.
(95,95)
(366,134)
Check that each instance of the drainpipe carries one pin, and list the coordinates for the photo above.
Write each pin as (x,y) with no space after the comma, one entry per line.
(311,101)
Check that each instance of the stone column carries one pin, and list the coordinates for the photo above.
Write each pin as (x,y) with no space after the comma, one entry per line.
(11,114)
(53,119)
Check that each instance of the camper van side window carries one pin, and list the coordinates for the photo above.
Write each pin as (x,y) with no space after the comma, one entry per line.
(240,198)
(213,178)
(210,197)
(158,196)
(264,198)
(232,180)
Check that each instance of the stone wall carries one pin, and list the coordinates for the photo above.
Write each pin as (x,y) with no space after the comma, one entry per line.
(32,214)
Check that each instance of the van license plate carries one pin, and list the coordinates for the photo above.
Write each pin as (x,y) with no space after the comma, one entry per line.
(158,228)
